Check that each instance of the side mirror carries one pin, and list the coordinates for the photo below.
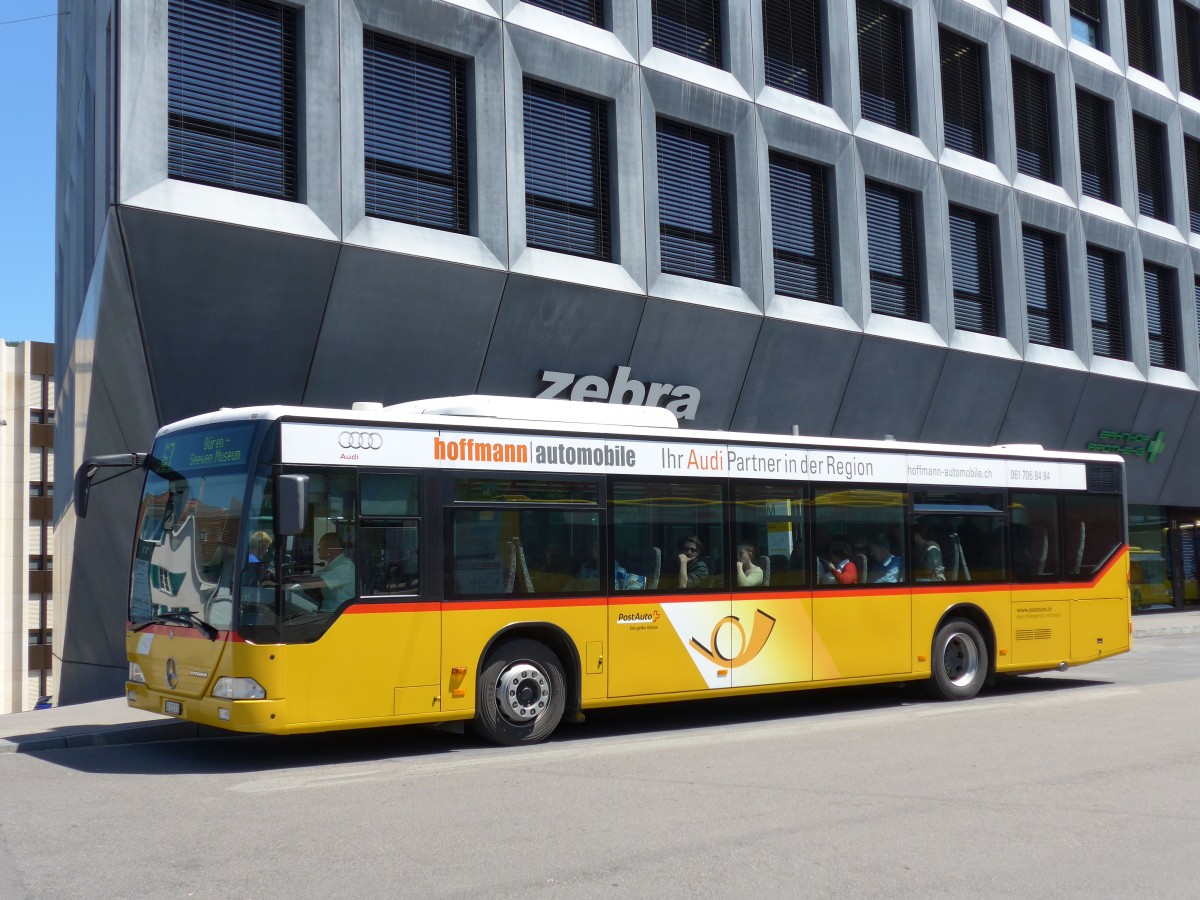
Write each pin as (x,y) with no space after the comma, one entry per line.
(92,465)
(291,504)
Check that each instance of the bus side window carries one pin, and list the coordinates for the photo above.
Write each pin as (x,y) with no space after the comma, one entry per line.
(389,533)
(668,536)
(770,518)
(1091,532)
(1034,537)
(969,528)
(847,524)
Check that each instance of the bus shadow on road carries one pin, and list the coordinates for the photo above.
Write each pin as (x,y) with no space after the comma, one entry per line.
(250,754)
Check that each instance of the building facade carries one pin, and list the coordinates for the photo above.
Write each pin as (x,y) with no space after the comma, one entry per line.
(943,220)
(27,392)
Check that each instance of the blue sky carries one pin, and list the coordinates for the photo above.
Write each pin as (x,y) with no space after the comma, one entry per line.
(28,76)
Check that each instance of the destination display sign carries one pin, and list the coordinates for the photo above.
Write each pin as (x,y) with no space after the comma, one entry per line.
(314,444)
(205,448)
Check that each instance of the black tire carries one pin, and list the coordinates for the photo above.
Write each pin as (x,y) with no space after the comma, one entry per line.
(521,694)
(960,661)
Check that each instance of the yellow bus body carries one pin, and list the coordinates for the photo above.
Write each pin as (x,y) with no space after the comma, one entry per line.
(417,662)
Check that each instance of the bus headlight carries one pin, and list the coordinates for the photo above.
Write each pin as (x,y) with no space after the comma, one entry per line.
(135,674)
(239,689)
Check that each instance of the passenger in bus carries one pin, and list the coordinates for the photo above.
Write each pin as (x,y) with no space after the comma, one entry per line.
(838,569)
(590,567)
(259,560)
(554,571)
(693,570)
(885,568)
(335,583)
(927,565)
(748,573)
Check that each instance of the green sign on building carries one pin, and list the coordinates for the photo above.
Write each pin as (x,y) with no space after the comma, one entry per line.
(1128,443)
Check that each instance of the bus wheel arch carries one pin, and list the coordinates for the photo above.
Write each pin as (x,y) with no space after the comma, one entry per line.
(962,654)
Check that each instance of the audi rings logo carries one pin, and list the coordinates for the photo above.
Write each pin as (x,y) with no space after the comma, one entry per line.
(172,674)
(360,440)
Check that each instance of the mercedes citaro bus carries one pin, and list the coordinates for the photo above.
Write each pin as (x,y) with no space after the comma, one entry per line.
(512,562)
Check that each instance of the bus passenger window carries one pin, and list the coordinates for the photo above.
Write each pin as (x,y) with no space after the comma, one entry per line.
(668,537)
(769,521)
(539,542)
(1092,532)
(389,534)
(967,528)
(1034,537)
(847,524)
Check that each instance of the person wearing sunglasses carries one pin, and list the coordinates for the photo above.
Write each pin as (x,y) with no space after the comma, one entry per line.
(693,571)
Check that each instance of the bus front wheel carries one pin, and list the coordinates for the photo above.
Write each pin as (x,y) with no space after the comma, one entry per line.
(960,661)
(522,694)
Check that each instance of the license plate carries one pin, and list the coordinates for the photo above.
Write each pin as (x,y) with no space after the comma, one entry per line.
(173,707)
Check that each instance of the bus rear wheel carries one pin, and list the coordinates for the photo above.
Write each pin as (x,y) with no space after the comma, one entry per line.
(521,695)
(960,661)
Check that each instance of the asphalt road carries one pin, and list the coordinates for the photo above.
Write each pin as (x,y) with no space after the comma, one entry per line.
(1071,785)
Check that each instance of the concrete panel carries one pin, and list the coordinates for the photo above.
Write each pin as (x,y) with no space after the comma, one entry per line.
(230,315)
(796,377)
(109,409)
(970,399)
(1042,406)
(563,327)
(1181,487)
(890,389)
(402,328)
(90,625)
(705,348)
(1162,409)
(1105,403)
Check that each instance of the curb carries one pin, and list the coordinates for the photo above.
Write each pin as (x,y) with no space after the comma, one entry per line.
(1166,631)
(140,733)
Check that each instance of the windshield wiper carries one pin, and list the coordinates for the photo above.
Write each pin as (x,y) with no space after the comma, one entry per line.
(180,617)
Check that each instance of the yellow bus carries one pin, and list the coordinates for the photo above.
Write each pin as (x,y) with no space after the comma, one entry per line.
(512,562)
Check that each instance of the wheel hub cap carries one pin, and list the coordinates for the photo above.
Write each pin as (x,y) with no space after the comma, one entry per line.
(961,660)
(522,692)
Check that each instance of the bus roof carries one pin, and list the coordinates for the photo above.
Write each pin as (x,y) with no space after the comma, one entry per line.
(490,412)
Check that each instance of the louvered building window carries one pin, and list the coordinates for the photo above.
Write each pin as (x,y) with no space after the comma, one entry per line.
(1095,161)
(693,213)
(1107,303)
(590,11)
(892,251)
(973,262)
(1151,173)
(1033,112)
(415,124)
(1187,42)
(1141,36)
(792,47)
(1191,158)
(566,172)
(1085,22)
(962,93)
(231,95)
(1032,8)
(691,28)
(883,64)
(1161,317)
(800,229)
(1196,295)
(1043,288)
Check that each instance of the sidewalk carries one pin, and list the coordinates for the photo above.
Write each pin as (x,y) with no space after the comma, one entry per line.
(109,722)
(97,724)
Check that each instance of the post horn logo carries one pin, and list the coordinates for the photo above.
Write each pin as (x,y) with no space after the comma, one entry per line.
(763,624)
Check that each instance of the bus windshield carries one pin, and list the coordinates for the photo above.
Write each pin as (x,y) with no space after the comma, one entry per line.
(188,526)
